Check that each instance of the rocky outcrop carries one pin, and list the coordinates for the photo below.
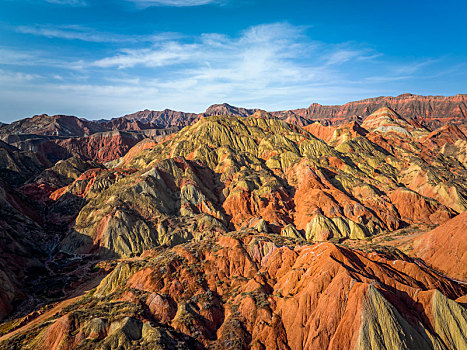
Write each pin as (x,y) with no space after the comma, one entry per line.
(102,147)
(226,109)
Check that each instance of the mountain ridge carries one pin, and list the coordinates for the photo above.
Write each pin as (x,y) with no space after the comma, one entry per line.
(432,111)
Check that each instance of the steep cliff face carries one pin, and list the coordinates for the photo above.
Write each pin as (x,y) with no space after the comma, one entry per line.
(16,166)
(22,237)
(433,111)
(22,248)
(100,147)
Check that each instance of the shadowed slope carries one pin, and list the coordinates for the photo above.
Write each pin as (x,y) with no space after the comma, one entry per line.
(445,247)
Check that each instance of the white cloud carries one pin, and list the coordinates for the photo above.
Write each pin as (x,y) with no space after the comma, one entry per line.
(10,56)
(76,32)
(344,55)
(161,55)
(68,2)
(68,32)
(175,3)
(271,66)
(262,57)
(31,58)
(7,77)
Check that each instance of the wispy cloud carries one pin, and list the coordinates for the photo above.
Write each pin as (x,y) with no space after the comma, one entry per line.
(271,66)
(68,2)
(76,32)
(176,3)
(345,54)
(146,3)
(259,47)
(164,54)
(17,77)
(263,56)
(33,58)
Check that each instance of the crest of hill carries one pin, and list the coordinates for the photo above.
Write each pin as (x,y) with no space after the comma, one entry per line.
(336,133)
(71,126)
(162,119)
(385,119)
(446,134)
(226,109)
(57,125)
(429,111)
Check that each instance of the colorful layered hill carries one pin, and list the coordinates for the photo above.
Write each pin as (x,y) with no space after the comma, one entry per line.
(244,290)
(238,232)
(228,173)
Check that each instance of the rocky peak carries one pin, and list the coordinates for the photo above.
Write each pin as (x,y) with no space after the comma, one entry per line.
(385,119)
(262,114)
(226,109)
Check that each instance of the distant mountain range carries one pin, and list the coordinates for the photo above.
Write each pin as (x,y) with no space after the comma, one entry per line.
(430,111)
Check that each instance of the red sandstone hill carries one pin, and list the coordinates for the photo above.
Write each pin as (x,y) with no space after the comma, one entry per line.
(70,126)
(445,247)
(250,291)
(432,111)
(57,125)
(168,118)
(100,146)
(161,119)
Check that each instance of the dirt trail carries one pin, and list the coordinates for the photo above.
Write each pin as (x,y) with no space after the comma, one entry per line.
(74,297)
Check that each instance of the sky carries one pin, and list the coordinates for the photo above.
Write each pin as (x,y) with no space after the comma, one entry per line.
(106,58)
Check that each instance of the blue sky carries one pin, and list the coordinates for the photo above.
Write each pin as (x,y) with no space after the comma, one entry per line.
(102,59)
